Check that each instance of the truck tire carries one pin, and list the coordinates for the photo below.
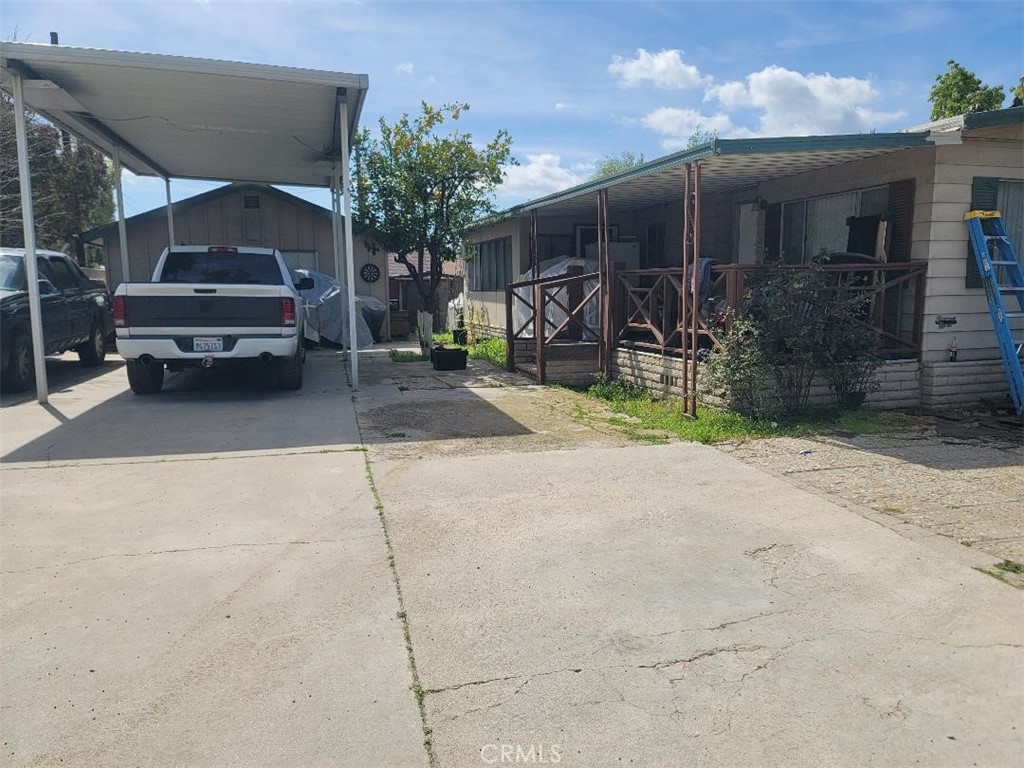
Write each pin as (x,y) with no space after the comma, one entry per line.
(290,370)
(21,372)
(145,379)
(93,351)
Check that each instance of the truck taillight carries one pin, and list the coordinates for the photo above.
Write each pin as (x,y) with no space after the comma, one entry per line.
(120,312)
(288,312)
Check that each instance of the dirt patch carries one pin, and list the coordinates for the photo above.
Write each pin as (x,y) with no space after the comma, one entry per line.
(970,488)
(411,411)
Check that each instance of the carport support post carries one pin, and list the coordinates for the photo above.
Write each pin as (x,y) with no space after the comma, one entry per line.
(336,224)
(170,214)
(122,231)
(346,181)
(28,225)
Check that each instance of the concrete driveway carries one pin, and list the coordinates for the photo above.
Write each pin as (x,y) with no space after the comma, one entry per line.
(671,605)
(202,578)
(197,578)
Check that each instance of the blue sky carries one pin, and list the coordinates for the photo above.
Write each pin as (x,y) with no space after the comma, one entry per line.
(576,81)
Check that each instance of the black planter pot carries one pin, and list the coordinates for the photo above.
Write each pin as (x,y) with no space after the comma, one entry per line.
(448,359)
(460,336)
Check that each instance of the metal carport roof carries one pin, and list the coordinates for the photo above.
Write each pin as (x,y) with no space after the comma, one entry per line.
(188,118)
(181,117)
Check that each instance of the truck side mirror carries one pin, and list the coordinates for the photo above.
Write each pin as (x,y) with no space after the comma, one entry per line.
(305,284)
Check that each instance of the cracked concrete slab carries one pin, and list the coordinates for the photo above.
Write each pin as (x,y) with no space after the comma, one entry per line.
(671,605)
(163,605)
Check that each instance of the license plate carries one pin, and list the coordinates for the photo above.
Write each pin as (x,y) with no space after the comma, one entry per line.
(207,344)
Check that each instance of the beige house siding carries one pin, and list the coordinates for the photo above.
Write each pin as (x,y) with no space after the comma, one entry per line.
(491,304)
(277,223)
(995,153)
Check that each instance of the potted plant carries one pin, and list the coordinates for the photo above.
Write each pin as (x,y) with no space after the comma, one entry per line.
(459,333)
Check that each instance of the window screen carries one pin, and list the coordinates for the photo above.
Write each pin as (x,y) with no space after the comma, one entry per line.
(491,266)
(221,268)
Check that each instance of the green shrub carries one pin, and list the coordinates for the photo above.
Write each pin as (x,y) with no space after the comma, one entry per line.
(494,350)
(795,325)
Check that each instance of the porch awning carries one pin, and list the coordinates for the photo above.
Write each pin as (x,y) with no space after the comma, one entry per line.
(725,164)
(188,118)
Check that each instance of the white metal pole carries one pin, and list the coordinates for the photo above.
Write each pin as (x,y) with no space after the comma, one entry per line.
(122,232)
(346,180)
(170,213)
(336,224)
(28,224)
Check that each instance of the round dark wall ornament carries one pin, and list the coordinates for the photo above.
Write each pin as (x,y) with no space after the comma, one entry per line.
(370,273)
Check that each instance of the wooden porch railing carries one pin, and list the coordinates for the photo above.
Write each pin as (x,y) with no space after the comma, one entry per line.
(650,306)
(565,292)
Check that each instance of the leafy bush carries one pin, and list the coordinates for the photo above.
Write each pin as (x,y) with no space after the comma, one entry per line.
(796,324)
(738,375)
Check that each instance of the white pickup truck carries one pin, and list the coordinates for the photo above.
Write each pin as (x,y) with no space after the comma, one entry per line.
(211,305)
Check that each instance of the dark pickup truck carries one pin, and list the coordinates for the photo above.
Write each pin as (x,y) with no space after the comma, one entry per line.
(76,315)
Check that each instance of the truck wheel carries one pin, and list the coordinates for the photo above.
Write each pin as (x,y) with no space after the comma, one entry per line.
(94,350)
(145,379)
(21,373)
(290,371)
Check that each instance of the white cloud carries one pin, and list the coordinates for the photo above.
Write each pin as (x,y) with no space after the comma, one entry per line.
(666,69)
(405,68)
(539,175)
(792,103)
(677,125)
(559,105)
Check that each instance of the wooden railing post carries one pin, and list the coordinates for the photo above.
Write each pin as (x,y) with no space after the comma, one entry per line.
(574,294)
(510,337)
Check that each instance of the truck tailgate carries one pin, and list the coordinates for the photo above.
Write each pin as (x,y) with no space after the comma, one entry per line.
(181,307)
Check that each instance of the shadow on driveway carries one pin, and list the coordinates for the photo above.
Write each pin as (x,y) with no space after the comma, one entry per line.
(199,412)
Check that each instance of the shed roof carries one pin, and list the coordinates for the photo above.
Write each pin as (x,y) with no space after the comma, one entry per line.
(190,118)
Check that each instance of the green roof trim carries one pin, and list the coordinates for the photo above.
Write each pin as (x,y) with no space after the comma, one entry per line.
(840,143)
(993,118)
(719,147)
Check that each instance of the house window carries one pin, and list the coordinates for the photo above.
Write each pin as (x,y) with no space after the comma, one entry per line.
(490,269)
(821,223)
(1005,196)
(250,202)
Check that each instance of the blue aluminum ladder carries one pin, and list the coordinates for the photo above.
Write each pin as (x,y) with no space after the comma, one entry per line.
(994,254)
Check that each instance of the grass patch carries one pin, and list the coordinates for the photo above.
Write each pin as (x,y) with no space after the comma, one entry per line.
(1010,566)
(643,417)
(492,350)
(406,356)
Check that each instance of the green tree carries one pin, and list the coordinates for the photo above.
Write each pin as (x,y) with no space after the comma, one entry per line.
(612,165)
(72,185)
(418,192)
(958,91)
(700,136)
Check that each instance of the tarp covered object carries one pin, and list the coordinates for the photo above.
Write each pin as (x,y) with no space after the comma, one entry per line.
(326,311)
(553,313)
